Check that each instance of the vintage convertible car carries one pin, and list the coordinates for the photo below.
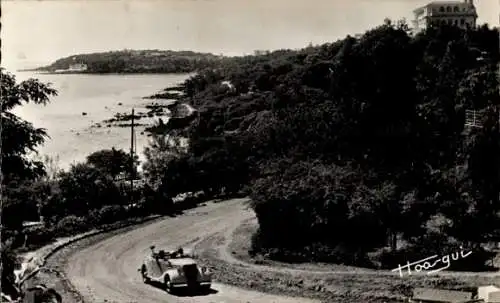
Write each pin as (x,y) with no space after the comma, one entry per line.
(174,269)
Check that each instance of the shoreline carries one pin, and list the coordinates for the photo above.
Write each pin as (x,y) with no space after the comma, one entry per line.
(101,74)
(91,124)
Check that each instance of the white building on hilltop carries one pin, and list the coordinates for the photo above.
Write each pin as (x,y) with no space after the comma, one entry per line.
(458,13)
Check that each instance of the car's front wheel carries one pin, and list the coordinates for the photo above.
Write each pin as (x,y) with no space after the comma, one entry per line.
(168,284)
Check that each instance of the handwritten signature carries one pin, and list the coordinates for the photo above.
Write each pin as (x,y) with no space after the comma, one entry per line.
(424,264)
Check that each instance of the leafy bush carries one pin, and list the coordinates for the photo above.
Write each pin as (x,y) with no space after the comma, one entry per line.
(113,162)
(84,188)
(20,201)
(108,214)
(316,252)
(10,235)
(20,136)
(39,235)
(71,225)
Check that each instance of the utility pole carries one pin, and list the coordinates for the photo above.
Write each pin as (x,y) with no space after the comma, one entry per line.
(132,157)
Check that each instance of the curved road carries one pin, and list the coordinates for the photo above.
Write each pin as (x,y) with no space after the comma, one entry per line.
(107,271)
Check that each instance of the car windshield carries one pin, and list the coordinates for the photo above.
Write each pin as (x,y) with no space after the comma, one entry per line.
(171,254)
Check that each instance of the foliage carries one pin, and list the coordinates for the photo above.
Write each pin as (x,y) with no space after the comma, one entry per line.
(9,263)
(108,214)
(72,225)
(363,134)
(20,137)
(20,202)
(113,162)
(138,61)
(84,188)
(21,188)
(39,235)
(161,150)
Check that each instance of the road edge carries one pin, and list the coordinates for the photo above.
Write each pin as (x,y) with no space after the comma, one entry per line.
(42,260)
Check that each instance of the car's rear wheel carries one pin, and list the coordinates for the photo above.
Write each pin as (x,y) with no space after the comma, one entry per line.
(168,284)
(144,274)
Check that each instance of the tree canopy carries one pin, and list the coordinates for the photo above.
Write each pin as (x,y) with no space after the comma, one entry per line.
(20,137)
(364,134)
(113,162)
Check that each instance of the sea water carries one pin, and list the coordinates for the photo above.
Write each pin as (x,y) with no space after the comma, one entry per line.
(72,138)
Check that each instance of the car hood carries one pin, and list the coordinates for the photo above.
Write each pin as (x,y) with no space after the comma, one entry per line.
(182,261)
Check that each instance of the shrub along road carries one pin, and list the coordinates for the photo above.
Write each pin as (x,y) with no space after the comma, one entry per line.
(227,252)
(107,270)
(224,254)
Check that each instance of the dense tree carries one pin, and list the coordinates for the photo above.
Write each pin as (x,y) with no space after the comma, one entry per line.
(364,134)
(113,162)
(84,188)
(20,173)
(20,137)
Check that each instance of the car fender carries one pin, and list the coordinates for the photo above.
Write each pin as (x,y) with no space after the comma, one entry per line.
(172,274)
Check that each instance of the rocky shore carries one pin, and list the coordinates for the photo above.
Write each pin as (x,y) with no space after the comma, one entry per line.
(168,103)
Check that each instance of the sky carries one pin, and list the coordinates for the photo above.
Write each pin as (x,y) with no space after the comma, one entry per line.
(36,33)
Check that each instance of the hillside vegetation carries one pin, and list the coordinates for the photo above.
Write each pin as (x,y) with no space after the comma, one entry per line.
(138,61)
(354,151)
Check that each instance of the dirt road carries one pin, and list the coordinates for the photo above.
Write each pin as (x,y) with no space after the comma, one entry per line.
(107,271)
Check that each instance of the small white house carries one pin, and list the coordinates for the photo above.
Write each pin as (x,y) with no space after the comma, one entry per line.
(490,294)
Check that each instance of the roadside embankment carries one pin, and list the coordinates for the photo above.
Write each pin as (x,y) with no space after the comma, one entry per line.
(41,268)
(227,254)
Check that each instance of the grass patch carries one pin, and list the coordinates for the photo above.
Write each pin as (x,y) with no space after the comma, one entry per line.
(240,245)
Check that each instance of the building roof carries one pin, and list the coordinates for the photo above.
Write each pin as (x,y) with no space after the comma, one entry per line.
(441,295)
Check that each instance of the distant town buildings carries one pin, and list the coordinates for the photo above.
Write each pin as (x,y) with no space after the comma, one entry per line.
(73,68)
(458,13)
(78,67)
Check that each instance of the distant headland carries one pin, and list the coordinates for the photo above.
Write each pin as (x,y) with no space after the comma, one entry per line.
(132,61)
